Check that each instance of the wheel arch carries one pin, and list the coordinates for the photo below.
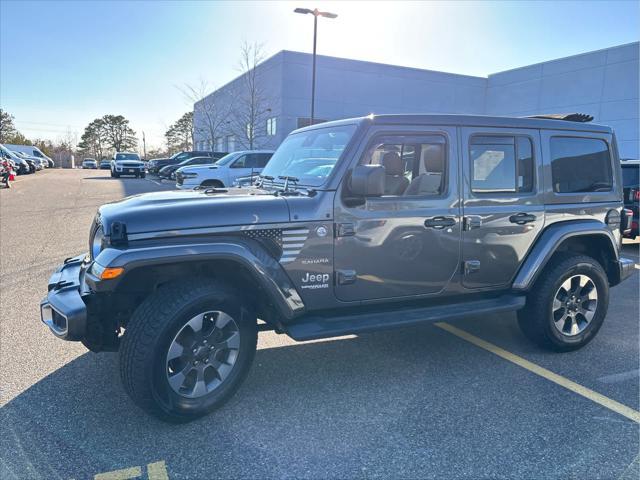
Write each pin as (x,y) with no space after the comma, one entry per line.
(244,264)
(588,237)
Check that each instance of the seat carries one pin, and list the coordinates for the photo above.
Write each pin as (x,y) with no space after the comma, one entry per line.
(395,183)
(430,181)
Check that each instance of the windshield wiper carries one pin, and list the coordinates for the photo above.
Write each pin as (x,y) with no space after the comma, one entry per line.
(287,179)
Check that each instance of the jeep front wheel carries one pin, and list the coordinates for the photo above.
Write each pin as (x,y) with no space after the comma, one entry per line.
(187,349)
(567,305)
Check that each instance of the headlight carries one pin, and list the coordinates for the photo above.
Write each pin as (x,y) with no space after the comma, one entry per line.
(97,242)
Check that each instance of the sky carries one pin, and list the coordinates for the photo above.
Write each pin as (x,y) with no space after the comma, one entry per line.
(65,63)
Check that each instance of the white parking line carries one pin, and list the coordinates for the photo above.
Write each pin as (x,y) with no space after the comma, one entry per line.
(596,397)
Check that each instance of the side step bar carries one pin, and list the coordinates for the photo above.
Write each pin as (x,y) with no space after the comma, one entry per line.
(314,327)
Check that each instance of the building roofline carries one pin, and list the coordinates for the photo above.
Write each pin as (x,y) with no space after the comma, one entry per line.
(391,65)
(564,58)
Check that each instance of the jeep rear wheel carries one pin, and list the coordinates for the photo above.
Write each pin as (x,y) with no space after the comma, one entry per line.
(567,305)
(187,349)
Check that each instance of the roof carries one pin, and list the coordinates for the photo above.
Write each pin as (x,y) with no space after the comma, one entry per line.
(471,121)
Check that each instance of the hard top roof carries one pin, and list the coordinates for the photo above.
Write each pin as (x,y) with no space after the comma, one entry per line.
(468,120)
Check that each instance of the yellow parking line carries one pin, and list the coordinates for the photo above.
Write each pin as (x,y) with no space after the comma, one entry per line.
(124,474)
(596,397)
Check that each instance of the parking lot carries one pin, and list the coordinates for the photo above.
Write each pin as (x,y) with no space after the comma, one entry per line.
(470,399)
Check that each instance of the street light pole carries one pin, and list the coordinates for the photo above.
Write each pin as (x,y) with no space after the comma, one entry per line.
(316,13)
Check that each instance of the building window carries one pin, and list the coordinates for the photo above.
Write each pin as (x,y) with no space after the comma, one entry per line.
(501,164)
(231,143)
(305,122)
(271,126)
(580,165)
(220,144)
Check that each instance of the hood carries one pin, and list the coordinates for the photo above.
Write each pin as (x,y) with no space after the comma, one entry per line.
(189,209)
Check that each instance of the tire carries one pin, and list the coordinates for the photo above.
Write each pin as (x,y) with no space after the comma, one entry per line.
(579,319)
(212,184)
(116,175)
(143,175)
(163,319)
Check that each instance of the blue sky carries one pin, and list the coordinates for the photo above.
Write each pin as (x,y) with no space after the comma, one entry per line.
(63,64)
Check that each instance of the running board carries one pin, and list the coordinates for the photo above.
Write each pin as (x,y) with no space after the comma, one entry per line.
(314,327)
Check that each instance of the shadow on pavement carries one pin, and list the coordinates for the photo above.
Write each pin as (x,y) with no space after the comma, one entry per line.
(408,403)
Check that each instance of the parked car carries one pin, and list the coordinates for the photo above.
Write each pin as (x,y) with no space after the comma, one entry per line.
(89,163)
(127,163)
(105,164)
(22,166)
(355,226)
(631,184)
(156,164)
(35,163)
(169,171)
(32,151)
(224,171)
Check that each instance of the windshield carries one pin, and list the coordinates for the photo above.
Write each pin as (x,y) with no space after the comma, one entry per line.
(226,159)
(631,176)
(309,156)
(127,156)
(180,156)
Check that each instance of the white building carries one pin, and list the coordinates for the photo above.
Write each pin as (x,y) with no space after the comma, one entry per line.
(603,83)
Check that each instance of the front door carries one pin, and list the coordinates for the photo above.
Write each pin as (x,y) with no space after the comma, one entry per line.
(405,243)
(503,204)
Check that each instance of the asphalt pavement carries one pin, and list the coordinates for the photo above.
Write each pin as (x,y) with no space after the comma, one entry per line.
(413,403)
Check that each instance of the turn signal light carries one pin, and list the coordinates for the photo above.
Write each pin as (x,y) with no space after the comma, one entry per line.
(109,273)
(636,196)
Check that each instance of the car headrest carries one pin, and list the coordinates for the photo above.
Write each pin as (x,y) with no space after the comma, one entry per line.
(392,163)
(433,158)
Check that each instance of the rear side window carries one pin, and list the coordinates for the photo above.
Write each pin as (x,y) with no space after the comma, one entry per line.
(631,176)
(501,164)
(580,165)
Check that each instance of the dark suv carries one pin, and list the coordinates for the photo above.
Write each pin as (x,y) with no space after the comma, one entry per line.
(155,165)
(354,225)
(631,185)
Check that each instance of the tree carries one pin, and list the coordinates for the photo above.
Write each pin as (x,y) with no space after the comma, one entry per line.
(118,134)
(209,115)
(93,140)
(180,135)
(251,105)
(8,131)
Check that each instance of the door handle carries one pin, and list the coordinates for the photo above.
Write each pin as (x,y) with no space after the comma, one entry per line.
(439,222)
(522,218)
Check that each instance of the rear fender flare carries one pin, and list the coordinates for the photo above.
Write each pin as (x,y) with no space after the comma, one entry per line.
(549,242)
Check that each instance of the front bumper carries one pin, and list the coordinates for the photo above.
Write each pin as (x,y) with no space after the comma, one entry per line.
(627,267)
(63,309)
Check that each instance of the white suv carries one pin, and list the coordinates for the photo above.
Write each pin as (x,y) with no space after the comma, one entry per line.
(224,171)
(127,163)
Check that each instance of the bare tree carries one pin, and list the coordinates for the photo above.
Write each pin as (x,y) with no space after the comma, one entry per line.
(251,105)
(209,115)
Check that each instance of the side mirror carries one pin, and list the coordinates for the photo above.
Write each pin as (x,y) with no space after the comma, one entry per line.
(367,181)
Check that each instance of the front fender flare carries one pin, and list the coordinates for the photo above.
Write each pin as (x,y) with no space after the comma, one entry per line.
(549,241)
(263,267)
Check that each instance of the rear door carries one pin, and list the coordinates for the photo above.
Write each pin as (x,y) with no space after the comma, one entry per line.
(503,207)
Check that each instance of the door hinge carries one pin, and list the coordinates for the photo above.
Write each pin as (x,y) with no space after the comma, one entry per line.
(471,266)
(471,222)
(345,230)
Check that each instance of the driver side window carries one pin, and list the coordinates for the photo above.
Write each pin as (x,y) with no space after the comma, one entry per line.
(240,162)
(414,166)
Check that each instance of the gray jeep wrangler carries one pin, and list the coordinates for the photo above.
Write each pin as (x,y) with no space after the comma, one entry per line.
(354,226)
